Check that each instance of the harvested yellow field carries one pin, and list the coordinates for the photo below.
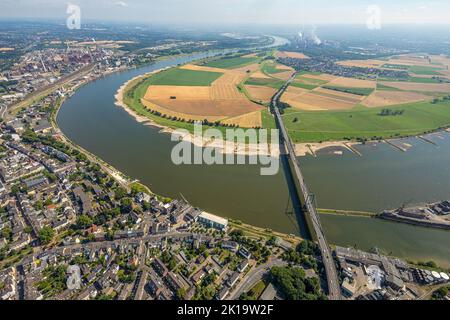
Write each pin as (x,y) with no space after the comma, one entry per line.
(6,49)
(311,101)
(226,86)
(261,93)
(178,92)
(287,54)
(260,75)
(353,83)
(323,76)
(283,75)
(362,63)
(421,87)
(283,67)
(292,93)
(352,98)
(220,108)
(303,106)
(442,60)
(251,55)
(194,67)
(225,92)
(388,98)
(169,112)
(249,120)
(231,78)
(411,60)
(246,69)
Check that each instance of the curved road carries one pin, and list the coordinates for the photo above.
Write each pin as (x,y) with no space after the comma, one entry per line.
(254,276)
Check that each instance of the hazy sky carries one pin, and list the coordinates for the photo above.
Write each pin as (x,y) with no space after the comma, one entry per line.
(234,11)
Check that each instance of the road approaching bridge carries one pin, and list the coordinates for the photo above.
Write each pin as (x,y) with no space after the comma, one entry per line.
(334,292)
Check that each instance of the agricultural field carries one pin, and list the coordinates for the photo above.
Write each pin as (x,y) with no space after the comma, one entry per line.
(389,98)
(268,82)
(232,91)
(286,54)
(232,62)
(200,92)
(182,77)
(327,108)
(367,123)
(351,90)
(262,84)
(261,94)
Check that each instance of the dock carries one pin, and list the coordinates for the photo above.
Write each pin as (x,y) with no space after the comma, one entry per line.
(402,149)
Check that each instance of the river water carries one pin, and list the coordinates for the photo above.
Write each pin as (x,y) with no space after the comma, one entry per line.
(383,178)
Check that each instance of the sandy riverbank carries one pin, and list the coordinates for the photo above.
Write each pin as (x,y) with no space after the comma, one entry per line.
(304,149)
(225,147)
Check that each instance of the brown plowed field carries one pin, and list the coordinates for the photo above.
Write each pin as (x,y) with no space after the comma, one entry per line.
(362,63)
(223,108)
(180,92)
(352,98)
(312,101)
(421,87)
(352,83)
(388,98)
(261,93)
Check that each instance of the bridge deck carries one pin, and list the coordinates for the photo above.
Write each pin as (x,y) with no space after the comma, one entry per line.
(334,292)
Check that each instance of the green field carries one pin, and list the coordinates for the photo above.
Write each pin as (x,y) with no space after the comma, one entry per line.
(273,83)
(271,68)
(421,70)
(411,79)
(231,63)
(303,85)
(181,77)
(432,71)
(364,123)
(311,80)
(268,121)
(422,80)
(386,88)
(357,91)
(303,73)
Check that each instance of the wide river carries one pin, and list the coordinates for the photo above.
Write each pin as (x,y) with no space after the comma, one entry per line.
(382,178)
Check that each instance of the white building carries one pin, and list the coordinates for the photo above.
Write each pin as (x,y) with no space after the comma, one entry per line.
(213,221)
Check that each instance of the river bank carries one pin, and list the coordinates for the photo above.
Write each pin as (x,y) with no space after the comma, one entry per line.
(121,178)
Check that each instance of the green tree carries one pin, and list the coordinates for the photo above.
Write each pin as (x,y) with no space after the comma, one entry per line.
(7,233)
(120,193)
(46,235)
(181,294)
(28,229)
(293,284)
(84,222)
(126,205)
(441,293)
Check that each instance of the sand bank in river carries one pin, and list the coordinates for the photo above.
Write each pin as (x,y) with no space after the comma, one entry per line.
(304,149)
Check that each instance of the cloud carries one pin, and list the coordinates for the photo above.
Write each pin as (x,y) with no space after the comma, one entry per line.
(121,4)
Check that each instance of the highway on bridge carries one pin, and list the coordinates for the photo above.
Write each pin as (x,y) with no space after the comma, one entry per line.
(334,292)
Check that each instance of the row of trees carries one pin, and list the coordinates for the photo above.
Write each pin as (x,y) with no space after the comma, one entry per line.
(390,112)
